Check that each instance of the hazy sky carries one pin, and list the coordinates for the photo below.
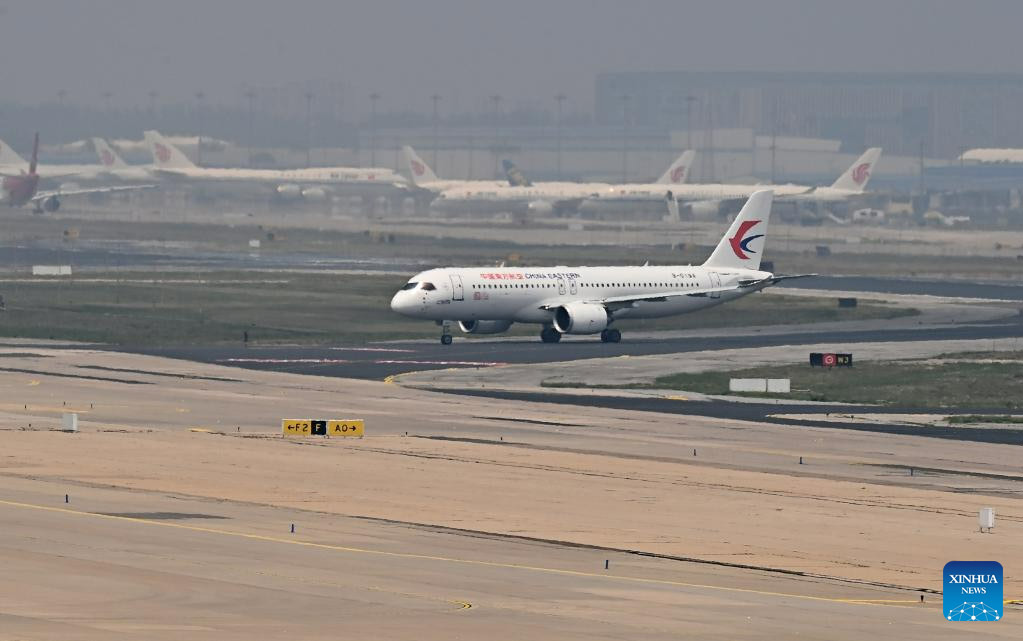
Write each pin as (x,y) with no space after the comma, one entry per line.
(526,50)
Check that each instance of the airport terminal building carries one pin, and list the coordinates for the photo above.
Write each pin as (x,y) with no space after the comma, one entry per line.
(944,112)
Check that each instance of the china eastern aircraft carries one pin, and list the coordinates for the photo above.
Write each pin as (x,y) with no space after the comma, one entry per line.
(314,183)
(20,189)
(591,300)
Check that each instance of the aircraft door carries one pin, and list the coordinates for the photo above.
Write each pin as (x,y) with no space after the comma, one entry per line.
(457,292)
(715,281)
(561,286)
(571,286)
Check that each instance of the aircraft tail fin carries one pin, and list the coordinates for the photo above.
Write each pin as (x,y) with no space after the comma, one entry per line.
(678,171)
(858,174)
(166,155)
(515,176)
(417,167)
(34,163)
(743,244)
(10,157)
(107,156)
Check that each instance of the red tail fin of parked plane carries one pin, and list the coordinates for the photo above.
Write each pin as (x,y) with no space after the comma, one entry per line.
(35,156)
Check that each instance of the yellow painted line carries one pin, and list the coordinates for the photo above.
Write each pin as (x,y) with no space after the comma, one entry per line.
(200,429)
(389,379)
(443,559)
(677,398)
(34,382)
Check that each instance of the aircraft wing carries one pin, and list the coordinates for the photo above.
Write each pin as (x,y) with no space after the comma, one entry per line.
(777,278)
(620,302)
(109,189)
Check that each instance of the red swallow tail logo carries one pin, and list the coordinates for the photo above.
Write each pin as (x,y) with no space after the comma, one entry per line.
(861,173)
(162,153)
(678,173)
(417,168)
(740,241)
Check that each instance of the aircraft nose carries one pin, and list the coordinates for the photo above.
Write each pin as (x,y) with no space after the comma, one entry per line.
(399,303)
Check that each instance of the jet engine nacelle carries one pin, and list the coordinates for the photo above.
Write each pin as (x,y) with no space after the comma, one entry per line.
(51,204)
(541,208)
(580,318)
(289,192)
(484,327)
(315,194)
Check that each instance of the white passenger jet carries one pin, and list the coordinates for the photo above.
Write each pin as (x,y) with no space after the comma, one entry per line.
(115,165)
(423,176)
(314,184)
(11,163)
(589,300)
(706,198)
(542,198)
(22,188)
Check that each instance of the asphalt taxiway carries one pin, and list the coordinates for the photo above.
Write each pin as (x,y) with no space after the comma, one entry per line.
(118,565)
(378,361)
(169,514)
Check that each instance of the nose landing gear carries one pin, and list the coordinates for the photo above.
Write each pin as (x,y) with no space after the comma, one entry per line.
(445,336)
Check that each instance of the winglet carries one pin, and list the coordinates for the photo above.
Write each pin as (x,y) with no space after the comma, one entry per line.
(417,167)
(166,155)
(678,171)
(35,156)
(858,174)
(743,244)
(107,156)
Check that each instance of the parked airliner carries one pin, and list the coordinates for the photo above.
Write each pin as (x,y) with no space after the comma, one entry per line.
(314,183)
(20,189)
(423,176)
(706,198)
(543,198)
(590,300)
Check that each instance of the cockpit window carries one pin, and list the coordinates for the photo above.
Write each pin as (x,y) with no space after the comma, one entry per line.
(411,285)
(429,287)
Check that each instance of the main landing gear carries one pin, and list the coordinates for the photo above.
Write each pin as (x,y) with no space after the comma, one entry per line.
(550,335)
(610,336)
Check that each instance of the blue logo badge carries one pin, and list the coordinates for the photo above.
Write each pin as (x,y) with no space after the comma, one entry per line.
(972,591)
